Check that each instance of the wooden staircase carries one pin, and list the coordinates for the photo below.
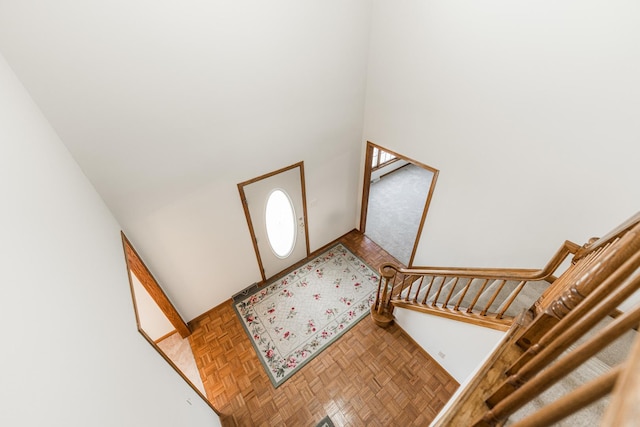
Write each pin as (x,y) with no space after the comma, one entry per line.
(486,297)
(565,322)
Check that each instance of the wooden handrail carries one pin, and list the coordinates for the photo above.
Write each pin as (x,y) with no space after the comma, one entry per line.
(554,343)
(574,401)
(518,274)
(575,270)
(583,278)
(609,237)
(544,349)
(605,297)
(559,369)
(624,409)
(397,286)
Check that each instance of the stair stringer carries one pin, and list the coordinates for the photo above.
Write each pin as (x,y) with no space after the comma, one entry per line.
(476,385)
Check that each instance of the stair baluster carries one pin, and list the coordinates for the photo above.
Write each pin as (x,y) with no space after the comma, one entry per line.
(540,352)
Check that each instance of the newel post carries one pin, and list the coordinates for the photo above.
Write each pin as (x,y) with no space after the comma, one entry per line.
(381,310)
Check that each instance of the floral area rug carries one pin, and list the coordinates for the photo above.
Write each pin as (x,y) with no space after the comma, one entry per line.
(293,319)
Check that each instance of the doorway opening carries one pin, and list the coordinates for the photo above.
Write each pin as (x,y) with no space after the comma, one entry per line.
(275,207)
(396,194)
(160,323)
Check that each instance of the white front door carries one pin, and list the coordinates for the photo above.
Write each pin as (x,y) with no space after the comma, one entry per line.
(276,214)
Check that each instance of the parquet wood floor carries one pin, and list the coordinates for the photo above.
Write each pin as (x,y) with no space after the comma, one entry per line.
(369,377)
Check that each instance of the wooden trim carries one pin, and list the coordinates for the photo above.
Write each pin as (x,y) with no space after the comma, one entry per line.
(484,377)
(206,313)
(302,261)
(304,205)
(133,299)
(165,336)
(477,273)
(270,174)
(574,401)
(597,305)
(283,273)
(279,275)
(600,278)
(133,260)
(624,409)
(609,237)
(331,243)
(617,313)
(497,273)
(245,207)
(548,374)
(600,272)
(469,316)
(184,377)
(462,316)
(387,163)
(136,266)
(392,171)
(427,204)
(366,186)
(252,233)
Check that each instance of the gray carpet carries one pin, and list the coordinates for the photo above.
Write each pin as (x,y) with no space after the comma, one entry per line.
(611,356)
(396,203)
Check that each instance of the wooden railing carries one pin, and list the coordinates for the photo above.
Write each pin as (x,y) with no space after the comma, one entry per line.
(572,325)
(624,410)
(482,296)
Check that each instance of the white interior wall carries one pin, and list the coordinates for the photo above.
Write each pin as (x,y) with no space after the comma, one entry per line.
(152,320)
(459,356)
(463,385)
(71,353)
(528,109)
(168,105)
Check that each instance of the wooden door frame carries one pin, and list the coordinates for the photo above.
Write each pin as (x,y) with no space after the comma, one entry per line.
(366,186)
(243,199)
(138,267)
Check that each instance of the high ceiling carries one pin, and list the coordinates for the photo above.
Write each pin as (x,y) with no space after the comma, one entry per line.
(154,99)
(167,105)
(528,109)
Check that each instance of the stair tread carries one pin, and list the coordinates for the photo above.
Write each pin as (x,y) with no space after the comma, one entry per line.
(614,354)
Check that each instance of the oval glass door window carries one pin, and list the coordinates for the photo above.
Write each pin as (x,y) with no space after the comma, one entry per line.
(280,219)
